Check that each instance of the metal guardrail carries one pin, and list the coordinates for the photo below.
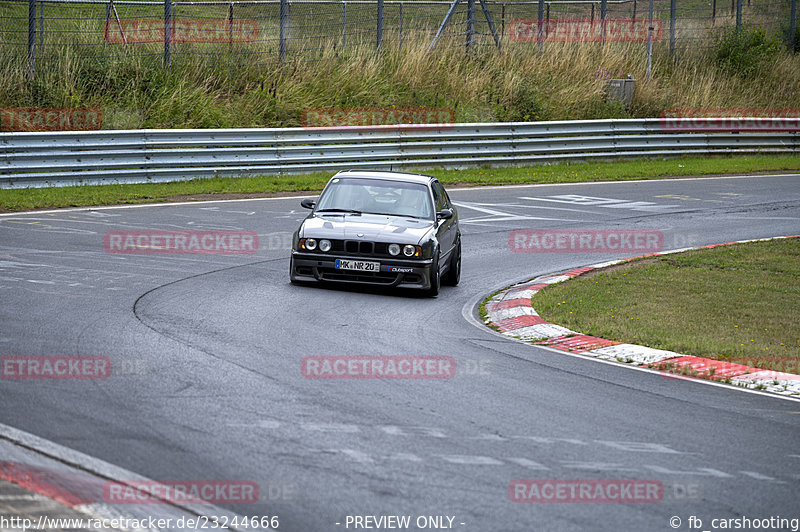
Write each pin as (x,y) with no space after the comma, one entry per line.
(139,156)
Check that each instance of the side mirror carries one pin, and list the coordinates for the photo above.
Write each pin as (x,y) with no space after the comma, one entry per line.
(308,203)
(444,214)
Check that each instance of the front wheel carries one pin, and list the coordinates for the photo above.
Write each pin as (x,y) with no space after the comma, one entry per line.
(453,275)
(433,291)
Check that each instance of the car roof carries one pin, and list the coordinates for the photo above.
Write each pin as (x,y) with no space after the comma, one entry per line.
(392,176)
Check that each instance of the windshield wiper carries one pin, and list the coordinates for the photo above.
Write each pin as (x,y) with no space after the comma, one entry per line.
(350,211)
(393,214)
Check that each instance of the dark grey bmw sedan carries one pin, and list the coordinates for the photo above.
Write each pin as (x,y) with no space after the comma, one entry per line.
(380,228)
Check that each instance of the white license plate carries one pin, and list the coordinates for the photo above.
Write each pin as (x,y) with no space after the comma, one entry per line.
(360,265)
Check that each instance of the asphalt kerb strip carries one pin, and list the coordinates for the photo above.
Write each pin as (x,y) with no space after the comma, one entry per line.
(511,313)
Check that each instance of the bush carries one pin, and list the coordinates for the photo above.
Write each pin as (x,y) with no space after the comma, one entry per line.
(746,51)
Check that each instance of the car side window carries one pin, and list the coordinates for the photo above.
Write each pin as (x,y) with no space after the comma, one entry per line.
(439,196)
(447,204)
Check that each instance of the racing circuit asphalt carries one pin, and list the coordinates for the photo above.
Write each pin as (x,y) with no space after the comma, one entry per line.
(207,382)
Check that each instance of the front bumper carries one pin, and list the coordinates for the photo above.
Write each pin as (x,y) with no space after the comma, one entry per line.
(393,272)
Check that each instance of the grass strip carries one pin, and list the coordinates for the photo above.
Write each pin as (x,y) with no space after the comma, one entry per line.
(222,188)
(736,303)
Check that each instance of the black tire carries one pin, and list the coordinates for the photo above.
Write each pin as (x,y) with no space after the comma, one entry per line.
(453,275)
(433,291)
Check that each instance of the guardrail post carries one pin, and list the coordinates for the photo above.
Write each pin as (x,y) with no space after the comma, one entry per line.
(284,30)
(379,29)
(793,26)
(31,39)
(603,11)
(738,15)
(167,33)
(672,16)
(540,27)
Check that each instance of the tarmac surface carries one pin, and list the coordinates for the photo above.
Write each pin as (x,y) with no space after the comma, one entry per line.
(206,381)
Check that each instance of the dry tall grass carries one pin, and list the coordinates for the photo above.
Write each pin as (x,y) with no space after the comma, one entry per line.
(516,83)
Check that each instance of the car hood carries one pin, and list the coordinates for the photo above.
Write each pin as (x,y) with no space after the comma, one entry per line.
(374,227)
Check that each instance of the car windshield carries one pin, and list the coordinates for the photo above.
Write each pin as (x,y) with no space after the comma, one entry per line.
(376,196)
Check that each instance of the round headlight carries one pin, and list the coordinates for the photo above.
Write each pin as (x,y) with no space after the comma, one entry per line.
(311,244)
(408,251)
(394,249)
(325,245)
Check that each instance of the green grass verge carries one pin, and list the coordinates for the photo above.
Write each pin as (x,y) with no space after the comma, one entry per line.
(220,188)
(736,303)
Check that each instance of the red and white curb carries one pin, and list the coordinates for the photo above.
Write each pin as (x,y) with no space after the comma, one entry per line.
(511,313)
(78,481)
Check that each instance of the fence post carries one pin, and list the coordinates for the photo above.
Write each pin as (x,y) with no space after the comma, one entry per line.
(713,12)
(603,11)
(672,12)
(634,10)
(738,15)
(379,29)
(503,19)
(540,27)
(470,23)
(31,38)
(344,24)
(400,44)
(41,27)
(793,26)
(230,24)
(167,33)
(283,46)
(649,41)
